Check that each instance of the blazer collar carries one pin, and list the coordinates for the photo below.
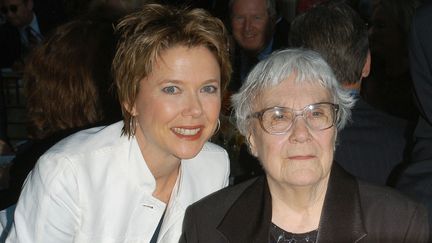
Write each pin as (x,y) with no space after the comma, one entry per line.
(249,218)
(341,218)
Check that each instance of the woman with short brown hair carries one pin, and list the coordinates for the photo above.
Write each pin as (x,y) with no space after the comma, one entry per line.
(132,181)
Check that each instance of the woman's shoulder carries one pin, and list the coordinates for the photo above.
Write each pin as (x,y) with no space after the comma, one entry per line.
(374,194)
(89,139)
(81,147)
(385,206)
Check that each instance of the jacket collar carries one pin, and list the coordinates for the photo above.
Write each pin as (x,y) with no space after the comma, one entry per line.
(249,218)
(341,218)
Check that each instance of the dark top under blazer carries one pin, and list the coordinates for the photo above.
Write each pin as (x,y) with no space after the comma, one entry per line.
(353,211)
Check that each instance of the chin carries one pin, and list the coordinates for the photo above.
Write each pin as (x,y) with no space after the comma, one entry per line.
(303,178)
(189,152)
(304,182)
(252,49)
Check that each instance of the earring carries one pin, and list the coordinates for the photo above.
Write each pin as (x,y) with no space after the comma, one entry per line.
(218,125)
(132,126)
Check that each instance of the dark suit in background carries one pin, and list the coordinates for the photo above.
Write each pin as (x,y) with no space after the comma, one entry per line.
(420,47)
(416,180)
(372,144)
(49,15)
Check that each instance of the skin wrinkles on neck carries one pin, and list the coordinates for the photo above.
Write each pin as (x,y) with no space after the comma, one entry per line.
(297,209)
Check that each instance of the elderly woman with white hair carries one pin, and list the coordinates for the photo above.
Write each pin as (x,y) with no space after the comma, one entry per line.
(290,110)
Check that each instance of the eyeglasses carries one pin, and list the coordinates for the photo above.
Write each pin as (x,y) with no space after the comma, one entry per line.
(12,8)
(278,120)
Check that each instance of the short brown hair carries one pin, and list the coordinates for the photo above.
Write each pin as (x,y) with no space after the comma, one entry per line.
(144,35)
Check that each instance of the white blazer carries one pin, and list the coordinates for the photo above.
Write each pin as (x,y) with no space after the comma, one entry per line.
(95,187)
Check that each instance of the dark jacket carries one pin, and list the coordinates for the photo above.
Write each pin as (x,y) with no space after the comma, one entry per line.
(416,179)
(11,49)
(372,144)
(420,50)
(353,211)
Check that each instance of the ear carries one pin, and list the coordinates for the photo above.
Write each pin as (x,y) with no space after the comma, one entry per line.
(366,66)
(252,145)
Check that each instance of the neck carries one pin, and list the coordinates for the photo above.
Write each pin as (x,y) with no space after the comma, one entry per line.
(352,86)
(297,209)
(164,167)
(165,172)
(165,185)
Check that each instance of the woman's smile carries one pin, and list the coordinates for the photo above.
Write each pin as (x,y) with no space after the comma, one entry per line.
(191,133)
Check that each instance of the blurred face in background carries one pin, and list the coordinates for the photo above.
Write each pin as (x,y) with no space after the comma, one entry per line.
(251,24)
(18,13)
(386,38)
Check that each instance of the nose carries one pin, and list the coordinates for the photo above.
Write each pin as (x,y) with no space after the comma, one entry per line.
(247,24)
(193,106)
(299,131)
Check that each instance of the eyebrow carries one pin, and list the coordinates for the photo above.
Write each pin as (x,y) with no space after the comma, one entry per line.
(176,81)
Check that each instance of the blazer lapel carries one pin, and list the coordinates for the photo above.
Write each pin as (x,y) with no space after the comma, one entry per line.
(248,220)
(341,219)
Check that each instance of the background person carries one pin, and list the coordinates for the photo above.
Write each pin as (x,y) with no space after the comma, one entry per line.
(257,31)
(389,86)
(416,178)
(65,97)
(132,181)
(373,143)
(290,109)
(23,30)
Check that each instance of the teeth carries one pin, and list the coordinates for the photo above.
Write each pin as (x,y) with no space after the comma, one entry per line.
(186,132)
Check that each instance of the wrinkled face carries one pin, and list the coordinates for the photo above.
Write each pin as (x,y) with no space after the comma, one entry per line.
(301,157)
(178,104)
(251,24)
(17,12)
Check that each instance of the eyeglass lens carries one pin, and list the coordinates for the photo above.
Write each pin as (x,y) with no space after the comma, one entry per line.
(317,116)
(11,8)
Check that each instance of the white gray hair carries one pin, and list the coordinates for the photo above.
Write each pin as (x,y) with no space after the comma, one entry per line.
(306,66)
